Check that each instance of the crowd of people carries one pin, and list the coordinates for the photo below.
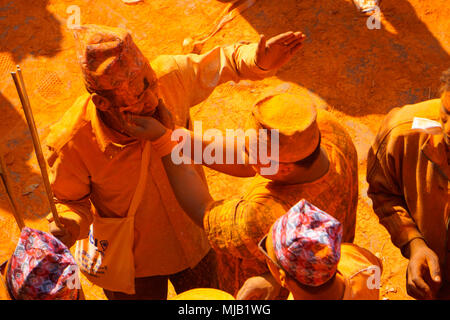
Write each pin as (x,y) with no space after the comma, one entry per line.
(139,220)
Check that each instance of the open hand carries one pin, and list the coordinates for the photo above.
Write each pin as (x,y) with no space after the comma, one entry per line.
(146,128)
(273,53)
(164,115)
(68,234)
(149,127)
(262,287)
(423,273)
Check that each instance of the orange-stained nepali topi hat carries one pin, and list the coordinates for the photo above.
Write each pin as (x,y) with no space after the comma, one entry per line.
(294,117)
(107,56)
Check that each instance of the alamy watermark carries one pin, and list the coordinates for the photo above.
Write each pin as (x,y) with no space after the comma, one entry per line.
(374,280)
(74,19)
(374,21)
(73,280)
(257,142)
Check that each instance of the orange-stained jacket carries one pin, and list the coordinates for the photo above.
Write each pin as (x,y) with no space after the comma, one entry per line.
(408,177)
(361,271)
(234,227)
(95,171)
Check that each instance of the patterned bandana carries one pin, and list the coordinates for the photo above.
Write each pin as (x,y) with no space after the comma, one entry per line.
(41,268)
(307,243)
(108,56)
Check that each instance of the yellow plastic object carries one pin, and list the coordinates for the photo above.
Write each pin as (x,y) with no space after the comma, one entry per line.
(203,294)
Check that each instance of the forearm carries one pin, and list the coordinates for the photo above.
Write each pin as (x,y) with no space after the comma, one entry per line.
(189,188)
(225,155)
(387,194)
(393,214)
(201,74)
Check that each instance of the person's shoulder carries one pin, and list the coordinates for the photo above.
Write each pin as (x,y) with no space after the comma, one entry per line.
(357,258)
(164,65)
(263,198)
(263,191)
(329,124)
(363,270)
(335,136)
(72,124)
(397,126)
(425,109)
(400,119)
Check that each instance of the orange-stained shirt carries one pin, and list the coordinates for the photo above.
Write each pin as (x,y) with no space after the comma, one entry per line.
(408,175)
(94,170)
(361,271)
(234,227)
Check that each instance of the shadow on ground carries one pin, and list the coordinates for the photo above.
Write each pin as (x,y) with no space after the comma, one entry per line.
(27,31)
(354,69)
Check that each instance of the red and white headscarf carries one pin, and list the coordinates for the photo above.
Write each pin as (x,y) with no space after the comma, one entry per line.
(307,243)
(42,268)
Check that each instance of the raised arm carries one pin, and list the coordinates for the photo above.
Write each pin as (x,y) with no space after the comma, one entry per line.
(198,75)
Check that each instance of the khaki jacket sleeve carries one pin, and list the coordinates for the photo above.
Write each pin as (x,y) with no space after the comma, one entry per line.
(384,175)
(236,226)
(70,183)
(200,74)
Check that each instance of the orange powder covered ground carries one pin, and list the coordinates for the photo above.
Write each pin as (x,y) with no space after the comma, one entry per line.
(360,74)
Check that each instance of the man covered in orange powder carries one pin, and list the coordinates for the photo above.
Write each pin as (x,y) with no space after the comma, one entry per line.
(408,173)
(136,243)
(317,161)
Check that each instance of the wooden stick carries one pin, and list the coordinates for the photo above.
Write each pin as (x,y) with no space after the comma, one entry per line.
(20,86)
(8,191)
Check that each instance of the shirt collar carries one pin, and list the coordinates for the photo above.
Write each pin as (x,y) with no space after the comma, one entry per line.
(105,136)
(434,149)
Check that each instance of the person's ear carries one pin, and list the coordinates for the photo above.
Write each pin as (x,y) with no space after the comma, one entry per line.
(101,103)
(282,278)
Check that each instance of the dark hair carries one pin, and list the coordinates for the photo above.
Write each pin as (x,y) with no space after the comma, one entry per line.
(445,79)
(309,160)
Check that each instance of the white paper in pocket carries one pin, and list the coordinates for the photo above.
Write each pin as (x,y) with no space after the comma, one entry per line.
(427,125)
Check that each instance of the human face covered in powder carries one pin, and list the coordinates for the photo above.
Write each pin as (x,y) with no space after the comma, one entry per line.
(116,73)
(136,95)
